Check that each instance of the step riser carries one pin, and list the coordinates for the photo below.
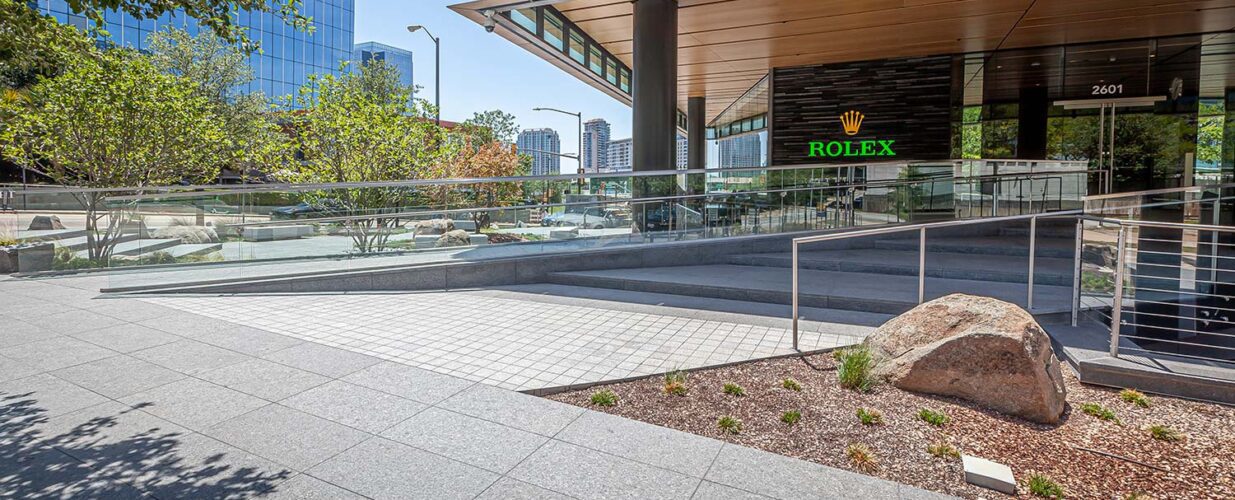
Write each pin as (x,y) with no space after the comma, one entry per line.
(912,245)
(804,300)
(903,270)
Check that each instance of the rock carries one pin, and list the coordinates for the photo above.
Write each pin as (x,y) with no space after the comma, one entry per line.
(975,348)
(192,235)
(564,234)
(27,258)
(454,238)
(45,223)
(433,226)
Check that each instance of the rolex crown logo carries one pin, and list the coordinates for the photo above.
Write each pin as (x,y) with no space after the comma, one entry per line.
(852,121)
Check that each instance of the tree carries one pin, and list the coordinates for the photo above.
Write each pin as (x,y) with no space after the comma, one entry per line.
(489,126)
(220,70)
(33,45)
(349,133)
(491,159)
(114,122)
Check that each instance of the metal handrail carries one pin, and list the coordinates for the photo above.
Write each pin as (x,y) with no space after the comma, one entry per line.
(921,228)
(1151,192)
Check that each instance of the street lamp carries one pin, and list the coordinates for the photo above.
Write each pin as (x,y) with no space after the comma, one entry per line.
(579,117)
(437,70)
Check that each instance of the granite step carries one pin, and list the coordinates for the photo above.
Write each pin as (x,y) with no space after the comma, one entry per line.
(980,267)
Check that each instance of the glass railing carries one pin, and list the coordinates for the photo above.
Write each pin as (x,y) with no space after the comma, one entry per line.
(309,228)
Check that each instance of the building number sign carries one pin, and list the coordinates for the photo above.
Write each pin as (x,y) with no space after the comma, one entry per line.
(1111,89)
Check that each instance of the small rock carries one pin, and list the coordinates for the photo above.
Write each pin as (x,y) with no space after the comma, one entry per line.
(455,238)
(432,226)
(45,223)
(988,474)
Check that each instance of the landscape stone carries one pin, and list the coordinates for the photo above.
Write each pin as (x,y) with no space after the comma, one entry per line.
(45,223)
(432,226)
(975,348)
(454,238)
(988,474)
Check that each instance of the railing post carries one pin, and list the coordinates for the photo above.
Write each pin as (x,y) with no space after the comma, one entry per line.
(1033,246)
(1076,270)
(1118,296)
(922,265)
(794,273)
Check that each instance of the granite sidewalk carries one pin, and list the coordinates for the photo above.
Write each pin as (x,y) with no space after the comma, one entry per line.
(126,398)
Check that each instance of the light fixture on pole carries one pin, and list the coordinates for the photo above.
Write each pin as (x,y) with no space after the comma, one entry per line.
(437,70)
(579,118)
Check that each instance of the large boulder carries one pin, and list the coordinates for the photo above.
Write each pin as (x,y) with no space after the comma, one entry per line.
(432,226)
(975,348)
(455,238)
(188,234)
(45,223)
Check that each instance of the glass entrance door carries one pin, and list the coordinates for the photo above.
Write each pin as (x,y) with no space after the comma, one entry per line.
(1129,146)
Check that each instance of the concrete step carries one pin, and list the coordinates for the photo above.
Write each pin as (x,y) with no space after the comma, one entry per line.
(885,294)
(979,267)
(138,247)
(78,243)
(50,235)
(1060,248)
(186,249)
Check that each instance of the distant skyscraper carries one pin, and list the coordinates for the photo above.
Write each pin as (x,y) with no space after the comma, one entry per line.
(398,58)
(620,155)
(538,142)
(288,56)
(741,151)
(595,145)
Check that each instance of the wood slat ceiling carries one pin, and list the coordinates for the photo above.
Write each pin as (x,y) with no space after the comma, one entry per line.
(726,46)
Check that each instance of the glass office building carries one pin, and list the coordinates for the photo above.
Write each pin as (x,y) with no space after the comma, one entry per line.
(287,58)
(399,59)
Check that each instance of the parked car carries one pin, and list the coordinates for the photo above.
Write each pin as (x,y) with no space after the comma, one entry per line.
(588,218)
(309,210)
(675,216)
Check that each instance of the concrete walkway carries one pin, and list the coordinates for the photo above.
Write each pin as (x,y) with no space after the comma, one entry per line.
(127,398)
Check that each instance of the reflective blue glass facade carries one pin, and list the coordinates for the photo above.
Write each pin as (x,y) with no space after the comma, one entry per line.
(400,59)
(287,57)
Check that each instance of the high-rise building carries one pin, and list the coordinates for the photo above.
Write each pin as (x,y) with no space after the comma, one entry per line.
(543,145)
(288,56)
(595,145)
(740,151)
(399,59)
(619,157)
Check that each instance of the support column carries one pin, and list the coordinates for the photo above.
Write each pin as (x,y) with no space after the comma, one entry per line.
(654,91)
(696,132)
(1031,124)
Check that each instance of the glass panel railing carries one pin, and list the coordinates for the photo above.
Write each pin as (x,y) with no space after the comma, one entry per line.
(205,233)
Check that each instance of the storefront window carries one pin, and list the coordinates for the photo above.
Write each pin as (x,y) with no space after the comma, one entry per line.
(553,31)
(576,47)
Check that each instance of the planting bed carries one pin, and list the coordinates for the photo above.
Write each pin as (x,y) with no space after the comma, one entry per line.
(1075,455)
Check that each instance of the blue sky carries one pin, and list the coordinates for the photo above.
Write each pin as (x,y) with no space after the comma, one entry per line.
(482,71)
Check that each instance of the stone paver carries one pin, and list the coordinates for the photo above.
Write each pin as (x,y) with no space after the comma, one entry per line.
(231,410)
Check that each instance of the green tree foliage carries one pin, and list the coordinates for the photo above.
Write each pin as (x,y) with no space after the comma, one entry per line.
(254,142)
(112,122)
(348,132)
(33,45)
(489,126)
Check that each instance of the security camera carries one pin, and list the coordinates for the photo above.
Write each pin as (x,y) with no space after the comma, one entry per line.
(490,23)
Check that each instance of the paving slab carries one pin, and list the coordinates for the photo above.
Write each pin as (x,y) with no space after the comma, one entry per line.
(126,337)
(194,403)
(585,473)
(650,444)
(306,487)
(56,353)
(712,491)
(12,369)
(118,376)
(321,359)
(381,468)
(408,382)
(485,444)
(40,397)
(111,434)
(529,413)
(265,379)
(48,473)
(366,409)
(197,466)
(290,437)
(17,332)
(190,357)
(783,477)
(512,489)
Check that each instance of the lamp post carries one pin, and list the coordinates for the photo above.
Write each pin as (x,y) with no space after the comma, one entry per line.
(579,156)
(437,70)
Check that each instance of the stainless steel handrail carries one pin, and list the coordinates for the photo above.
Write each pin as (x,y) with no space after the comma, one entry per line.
(1150,192)
(921,228)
